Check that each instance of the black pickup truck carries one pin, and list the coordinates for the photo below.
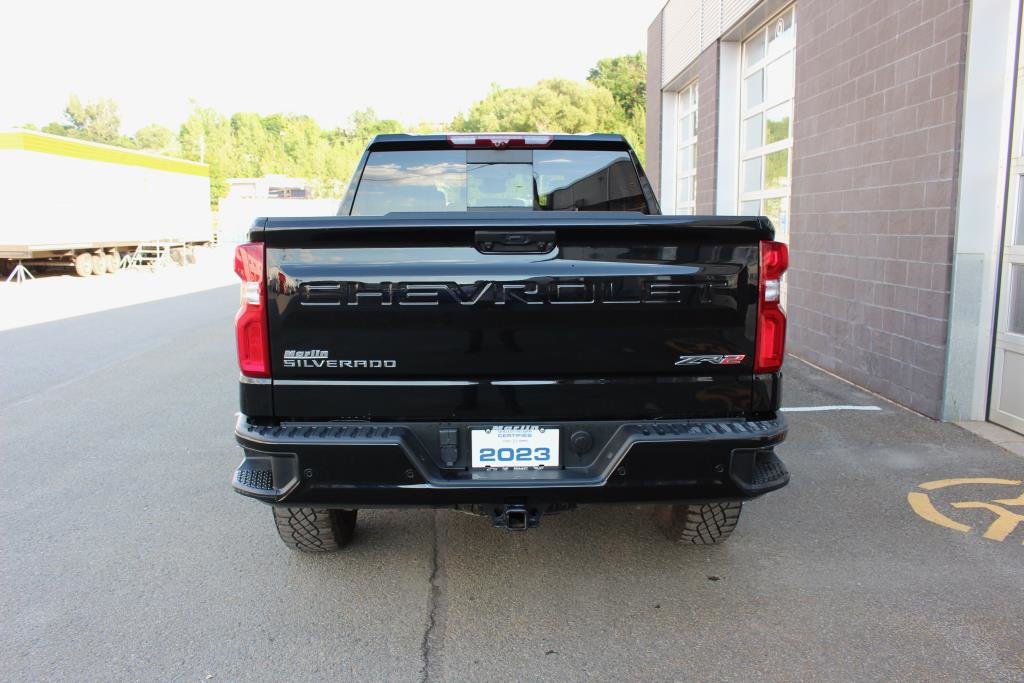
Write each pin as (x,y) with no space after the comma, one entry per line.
(505,325)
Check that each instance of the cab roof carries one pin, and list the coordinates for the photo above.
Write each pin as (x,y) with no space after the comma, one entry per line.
(534,140)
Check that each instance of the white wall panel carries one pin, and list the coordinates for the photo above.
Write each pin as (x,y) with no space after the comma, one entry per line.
(728,170)
(733,10)
(710,22)
(681,37)
(690,26)
(667,198)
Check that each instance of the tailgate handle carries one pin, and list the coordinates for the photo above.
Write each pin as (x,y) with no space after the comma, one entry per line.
(516,242)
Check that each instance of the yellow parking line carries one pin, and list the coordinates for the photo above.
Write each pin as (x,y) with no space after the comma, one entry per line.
(1019,500)
(923,506)
(1005,524)
(943,483)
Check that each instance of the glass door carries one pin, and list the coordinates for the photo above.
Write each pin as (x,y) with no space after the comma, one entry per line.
(1006,404)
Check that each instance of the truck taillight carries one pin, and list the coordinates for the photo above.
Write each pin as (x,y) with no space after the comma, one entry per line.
(771,320)
(499,141)
(251,320)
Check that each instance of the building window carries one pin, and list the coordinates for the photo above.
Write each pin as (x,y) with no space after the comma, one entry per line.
(686,150)
(766,127)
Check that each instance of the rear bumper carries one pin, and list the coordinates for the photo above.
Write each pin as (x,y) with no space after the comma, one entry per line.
(339,464)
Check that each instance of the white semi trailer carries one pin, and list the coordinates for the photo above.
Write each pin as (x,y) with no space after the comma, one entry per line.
(83,205)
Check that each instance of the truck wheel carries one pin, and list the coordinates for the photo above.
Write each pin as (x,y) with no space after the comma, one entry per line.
(113,260)
(705,524)
(83,265)
(315,530)
(99,264)
(178,255)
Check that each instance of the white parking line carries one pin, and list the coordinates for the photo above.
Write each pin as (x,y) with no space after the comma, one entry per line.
(812,409)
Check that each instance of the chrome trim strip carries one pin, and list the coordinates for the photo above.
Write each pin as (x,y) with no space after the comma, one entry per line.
(464,383)
(373,383)
(522,382)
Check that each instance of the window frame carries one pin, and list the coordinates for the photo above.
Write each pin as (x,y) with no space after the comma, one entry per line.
(763,150)
(687,103)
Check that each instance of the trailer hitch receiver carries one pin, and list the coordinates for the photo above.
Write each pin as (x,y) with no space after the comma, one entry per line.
(515,517)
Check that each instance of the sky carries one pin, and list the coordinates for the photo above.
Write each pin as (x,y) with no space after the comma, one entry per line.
(412,61)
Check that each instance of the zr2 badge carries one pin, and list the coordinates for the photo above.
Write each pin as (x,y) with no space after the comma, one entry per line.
(734,359)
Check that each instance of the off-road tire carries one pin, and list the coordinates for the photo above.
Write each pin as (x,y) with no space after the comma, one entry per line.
(704,524)
(83,265)
(315,530)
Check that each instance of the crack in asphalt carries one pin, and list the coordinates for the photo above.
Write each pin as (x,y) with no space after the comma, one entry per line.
(437,613)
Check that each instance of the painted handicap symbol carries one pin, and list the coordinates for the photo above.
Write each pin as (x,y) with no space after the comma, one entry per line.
(1005,520)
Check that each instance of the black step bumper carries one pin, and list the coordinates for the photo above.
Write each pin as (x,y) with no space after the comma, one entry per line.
(347,464)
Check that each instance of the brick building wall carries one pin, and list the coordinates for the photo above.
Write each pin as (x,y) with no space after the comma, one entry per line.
(707,129)
(876,150)
(652,134)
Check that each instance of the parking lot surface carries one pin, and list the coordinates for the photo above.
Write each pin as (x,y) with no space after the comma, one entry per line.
(125,555)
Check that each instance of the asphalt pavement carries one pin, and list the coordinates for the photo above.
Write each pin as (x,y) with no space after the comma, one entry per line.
(125,555)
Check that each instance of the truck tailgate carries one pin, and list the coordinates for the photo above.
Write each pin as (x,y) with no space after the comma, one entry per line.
(486,316)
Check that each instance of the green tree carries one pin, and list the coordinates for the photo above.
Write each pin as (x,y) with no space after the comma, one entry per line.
(254,148)
(98,121)
(366,124)
(613,101)
(206,136)
(303,144)
(346,147)
(625,77)
(247,144)
(153,137)
(250,145)
(556,105)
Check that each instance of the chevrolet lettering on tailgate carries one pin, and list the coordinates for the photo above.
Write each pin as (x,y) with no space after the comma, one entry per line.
(608,291)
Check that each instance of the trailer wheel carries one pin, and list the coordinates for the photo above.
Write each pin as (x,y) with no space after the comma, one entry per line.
(83,265)
(113,260)
(99,263)
(190,255)
(178,255)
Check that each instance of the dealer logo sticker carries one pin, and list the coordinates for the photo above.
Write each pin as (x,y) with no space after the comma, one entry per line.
(305,353)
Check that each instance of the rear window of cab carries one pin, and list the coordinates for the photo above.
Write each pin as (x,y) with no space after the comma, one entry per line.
(488,180)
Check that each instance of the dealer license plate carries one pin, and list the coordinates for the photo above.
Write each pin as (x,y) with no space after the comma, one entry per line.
(515,446)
